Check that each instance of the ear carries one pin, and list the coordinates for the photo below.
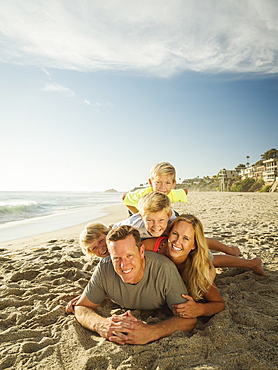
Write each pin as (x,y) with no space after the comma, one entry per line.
(174,184)
(150,182)
(142,251)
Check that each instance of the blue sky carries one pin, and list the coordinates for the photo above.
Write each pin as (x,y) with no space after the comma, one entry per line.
(93,94)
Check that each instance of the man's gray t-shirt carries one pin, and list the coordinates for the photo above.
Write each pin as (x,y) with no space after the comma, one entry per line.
(161,285)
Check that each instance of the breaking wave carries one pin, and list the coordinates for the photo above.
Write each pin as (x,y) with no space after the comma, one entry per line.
(18,209)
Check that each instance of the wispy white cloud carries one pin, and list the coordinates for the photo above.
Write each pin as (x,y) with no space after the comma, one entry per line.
(98,105)
(158,37)
(53,87)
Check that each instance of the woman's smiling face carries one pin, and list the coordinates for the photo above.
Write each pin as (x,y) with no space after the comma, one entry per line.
(181,241)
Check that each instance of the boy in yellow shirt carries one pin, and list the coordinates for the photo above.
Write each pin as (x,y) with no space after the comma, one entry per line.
(162,179)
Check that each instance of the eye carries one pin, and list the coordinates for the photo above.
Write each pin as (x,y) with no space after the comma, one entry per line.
(186,238)
(129,256)
(115,259)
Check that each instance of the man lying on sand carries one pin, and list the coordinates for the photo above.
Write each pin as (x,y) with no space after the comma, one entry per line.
(134,280)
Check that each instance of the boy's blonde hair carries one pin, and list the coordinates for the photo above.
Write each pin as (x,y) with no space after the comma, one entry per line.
(163,169)
(154,202)
(89,235)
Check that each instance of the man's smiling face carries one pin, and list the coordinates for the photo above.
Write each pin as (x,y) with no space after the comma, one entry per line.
(127,259)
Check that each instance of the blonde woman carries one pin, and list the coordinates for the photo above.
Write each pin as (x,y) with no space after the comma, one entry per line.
(186,246)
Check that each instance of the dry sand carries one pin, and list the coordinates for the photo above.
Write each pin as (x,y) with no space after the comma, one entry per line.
(40,274)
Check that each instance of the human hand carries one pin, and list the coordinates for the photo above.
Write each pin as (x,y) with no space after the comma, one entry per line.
(120,326)
(189,309)
(136,333)
(71,304)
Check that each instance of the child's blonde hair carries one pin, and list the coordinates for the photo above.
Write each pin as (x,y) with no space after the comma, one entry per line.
(196,269)
(154,202)
(163,169)
(89,235)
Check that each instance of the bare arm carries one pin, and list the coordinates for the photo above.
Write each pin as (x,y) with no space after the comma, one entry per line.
(86,315)
(131,208)
(191,308)
(126,329)
(71,304)
(215,245)
(144,333)
(149,243)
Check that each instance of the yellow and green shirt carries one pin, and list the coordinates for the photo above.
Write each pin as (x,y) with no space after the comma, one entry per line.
(132,198)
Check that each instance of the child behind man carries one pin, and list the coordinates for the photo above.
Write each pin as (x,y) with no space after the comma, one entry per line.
(154,216)
(162,179)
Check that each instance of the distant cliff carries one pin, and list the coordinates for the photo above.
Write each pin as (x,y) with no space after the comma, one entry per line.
(111,191)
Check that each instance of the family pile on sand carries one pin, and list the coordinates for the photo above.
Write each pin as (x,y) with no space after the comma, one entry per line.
(180,275)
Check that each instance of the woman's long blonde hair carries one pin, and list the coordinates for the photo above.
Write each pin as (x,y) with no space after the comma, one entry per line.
(195,271)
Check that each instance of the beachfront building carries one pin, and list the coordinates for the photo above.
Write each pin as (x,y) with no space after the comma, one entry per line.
(270,172)
(266,170)
(247,172)
(258,172)
(226,178)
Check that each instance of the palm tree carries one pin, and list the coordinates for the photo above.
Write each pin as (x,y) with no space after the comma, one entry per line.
(247,159)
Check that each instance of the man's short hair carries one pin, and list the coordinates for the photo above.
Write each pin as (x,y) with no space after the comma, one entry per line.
(154,202)
(122,232)
(163,169)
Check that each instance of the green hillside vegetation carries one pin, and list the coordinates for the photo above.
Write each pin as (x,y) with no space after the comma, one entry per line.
(212,183)
(200,184)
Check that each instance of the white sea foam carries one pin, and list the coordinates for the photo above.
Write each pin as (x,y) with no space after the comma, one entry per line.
(24,214)
(38,225)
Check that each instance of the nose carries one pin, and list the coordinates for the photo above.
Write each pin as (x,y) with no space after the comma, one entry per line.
(177,240)
(155,223)
(123,263)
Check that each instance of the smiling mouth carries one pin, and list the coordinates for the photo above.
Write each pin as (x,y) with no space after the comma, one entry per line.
(126,271)
(105,252)
(156,230)
(176,249)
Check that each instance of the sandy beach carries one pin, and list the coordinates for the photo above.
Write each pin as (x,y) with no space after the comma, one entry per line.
(39,275)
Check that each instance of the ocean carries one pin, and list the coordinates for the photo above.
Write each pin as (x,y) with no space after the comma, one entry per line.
(24,214)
